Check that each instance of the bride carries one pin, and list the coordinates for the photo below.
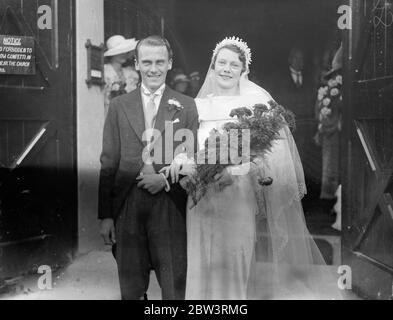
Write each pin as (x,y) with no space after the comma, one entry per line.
(246,241)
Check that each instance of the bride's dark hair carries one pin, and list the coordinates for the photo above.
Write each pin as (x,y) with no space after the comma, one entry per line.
(232,47)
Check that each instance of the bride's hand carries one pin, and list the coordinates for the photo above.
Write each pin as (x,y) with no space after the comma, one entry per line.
(172,171)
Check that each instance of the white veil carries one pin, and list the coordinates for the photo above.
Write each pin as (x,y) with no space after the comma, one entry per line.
(250,93)
(287,262)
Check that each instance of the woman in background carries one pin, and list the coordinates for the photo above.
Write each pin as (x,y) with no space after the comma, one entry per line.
(119,79)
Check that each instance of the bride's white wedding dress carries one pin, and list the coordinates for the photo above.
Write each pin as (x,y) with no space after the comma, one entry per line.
(221,228)
(249,241)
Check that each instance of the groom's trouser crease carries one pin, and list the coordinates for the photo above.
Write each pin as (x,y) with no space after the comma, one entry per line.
(151,234)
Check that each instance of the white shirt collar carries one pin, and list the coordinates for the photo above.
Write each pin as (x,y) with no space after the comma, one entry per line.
(158,92)
(294,71)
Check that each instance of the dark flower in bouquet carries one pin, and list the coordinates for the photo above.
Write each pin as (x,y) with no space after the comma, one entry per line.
(118,88)
(241,141)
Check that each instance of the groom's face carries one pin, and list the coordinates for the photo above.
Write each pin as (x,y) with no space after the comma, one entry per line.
(153,63)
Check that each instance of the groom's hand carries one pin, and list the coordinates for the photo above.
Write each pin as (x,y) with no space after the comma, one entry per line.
(154,183)
(148,169)
(107,231)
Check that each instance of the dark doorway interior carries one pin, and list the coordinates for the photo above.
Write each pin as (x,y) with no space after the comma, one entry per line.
(270,28)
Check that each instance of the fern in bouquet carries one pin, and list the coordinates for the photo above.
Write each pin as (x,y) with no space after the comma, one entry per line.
(257,127)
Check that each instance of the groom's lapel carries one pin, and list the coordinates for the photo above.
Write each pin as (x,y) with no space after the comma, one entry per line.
(164,115)
(136,116)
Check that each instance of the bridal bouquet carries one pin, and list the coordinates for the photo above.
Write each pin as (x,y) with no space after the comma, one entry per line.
(262,124)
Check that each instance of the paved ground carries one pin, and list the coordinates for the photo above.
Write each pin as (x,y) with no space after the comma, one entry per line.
(94,277)
(89,277)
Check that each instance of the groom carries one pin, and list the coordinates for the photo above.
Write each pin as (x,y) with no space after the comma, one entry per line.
(139,210)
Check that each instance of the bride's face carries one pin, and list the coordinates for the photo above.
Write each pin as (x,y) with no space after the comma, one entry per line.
(228,69)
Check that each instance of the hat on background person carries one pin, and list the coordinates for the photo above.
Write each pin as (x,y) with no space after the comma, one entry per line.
(118,44)
(337,63)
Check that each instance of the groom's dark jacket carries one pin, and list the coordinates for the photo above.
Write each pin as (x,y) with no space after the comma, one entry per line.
(121,158)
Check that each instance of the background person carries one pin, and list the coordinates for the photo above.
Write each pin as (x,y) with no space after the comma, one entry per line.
(119,79)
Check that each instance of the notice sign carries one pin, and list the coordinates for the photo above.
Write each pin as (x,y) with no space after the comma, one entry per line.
(17,55)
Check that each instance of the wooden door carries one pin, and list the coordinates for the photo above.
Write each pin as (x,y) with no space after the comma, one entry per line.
(368,149)
(132,18)
(38,186)
(141,18)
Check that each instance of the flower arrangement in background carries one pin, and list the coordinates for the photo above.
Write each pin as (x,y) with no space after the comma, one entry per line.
(329,106)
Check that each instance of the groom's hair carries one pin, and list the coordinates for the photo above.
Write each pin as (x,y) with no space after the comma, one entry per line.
(154,41)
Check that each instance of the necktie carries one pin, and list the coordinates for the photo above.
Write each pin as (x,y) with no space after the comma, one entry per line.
(298,79)
(151,112)
(150,117)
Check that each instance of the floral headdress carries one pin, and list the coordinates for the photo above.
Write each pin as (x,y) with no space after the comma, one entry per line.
(242,45)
